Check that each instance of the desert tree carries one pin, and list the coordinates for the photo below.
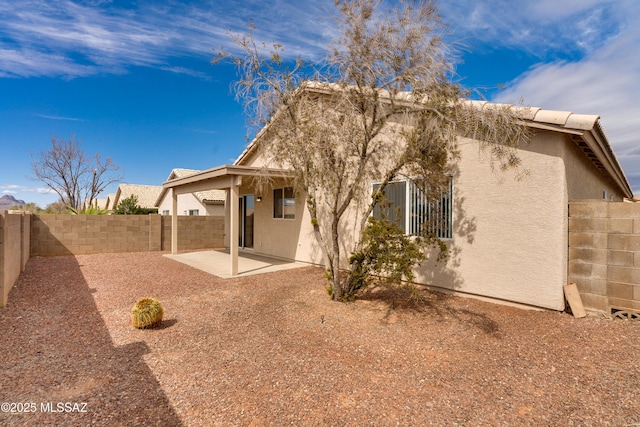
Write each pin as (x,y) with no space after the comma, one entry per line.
(381,105)
(75,176)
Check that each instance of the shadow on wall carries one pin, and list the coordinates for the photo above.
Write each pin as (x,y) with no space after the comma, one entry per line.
(44,242)
(84,367)
(446,274)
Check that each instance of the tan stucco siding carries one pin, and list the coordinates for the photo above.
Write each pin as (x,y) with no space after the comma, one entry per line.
(275,236)
(187,202)
(584,180)
(510,236)
(284,238)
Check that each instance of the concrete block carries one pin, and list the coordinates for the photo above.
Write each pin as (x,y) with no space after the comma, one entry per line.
(636,226)
(624,210)
(583,286)
(621,258)
(599,271)
(595,302)
(589,209)
(624,303)
(619,290)
(593,256)
(589,285)
(625,242)
(579,269)
(636,259)
(589,225)
(621,225)
(589,240)
(636,292)
(623,274)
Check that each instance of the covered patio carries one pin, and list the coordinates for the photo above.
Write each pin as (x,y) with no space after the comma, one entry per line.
(229,178)
(217,262)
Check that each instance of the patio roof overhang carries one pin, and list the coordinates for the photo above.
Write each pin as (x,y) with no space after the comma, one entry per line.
(222,177)
(227,177)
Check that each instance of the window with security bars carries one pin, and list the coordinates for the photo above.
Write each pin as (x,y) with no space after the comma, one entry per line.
(406,205)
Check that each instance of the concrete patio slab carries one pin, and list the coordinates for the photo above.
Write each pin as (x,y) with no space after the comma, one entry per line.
(217,262)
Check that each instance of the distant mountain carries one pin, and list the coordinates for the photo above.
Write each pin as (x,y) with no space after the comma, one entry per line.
(8,201)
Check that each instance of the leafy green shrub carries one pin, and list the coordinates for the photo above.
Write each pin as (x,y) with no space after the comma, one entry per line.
(147,313)
(386,256)
(129,206)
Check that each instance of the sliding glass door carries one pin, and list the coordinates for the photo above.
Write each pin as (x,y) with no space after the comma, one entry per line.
(245,234)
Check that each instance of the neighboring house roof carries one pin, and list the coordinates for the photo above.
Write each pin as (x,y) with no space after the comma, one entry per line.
(146,194)
(585,131)
(213,197)
(109,203)
(101,203)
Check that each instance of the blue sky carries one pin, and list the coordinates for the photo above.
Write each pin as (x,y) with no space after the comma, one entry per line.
(133,80)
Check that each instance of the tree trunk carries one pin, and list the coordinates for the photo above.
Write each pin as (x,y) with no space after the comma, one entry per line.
(335,265)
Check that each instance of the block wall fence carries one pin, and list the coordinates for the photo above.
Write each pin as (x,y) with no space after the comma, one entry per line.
(92,234)
(604,255)
(15,232)
(604,245)
(23,235)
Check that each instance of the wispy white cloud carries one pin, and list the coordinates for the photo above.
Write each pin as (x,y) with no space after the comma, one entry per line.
(210,132)
(46,116)
(541,28)
(605,82)
(586,48)
(66,38)
(15,189)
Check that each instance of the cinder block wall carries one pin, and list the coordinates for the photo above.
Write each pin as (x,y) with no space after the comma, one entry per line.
(88,234)
(14,249)
(195,232)
(604,254)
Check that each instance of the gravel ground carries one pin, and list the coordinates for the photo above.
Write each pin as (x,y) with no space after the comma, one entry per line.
(272,349)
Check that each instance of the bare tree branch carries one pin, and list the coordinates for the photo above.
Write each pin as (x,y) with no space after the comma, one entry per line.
(381,105)
(75,177)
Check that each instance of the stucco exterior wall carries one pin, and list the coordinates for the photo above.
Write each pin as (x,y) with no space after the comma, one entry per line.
(187,202)
(510,239)
(584,180)
(510,236)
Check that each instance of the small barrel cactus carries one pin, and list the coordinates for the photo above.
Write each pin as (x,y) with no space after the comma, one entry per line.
(147,313)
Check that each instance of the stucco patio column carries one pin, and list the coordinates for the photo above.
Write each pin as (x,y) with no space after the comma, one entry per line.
(233,227)
(174,221)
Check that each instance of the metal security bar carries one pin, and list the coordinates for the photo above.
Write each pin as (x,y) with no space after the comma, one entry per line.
(430,217)
(409,207)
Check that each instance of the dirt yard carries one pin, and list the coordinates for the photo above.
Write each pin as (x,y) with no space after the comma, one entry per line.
(273,349)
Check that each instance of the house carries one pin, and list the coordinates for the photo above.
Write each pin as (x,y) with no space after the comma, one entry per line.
(109,205)
(508,238)
(146,195)
(210,202)
(100,204)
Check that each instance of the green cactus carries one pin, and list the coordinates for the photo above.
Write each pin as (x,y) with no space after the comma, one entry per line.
(147,313)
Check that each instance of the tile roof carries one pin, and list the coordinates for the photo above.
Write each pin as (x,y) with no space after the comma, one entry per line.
(584,129)
(204,197)
(146,194)
(109,203)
